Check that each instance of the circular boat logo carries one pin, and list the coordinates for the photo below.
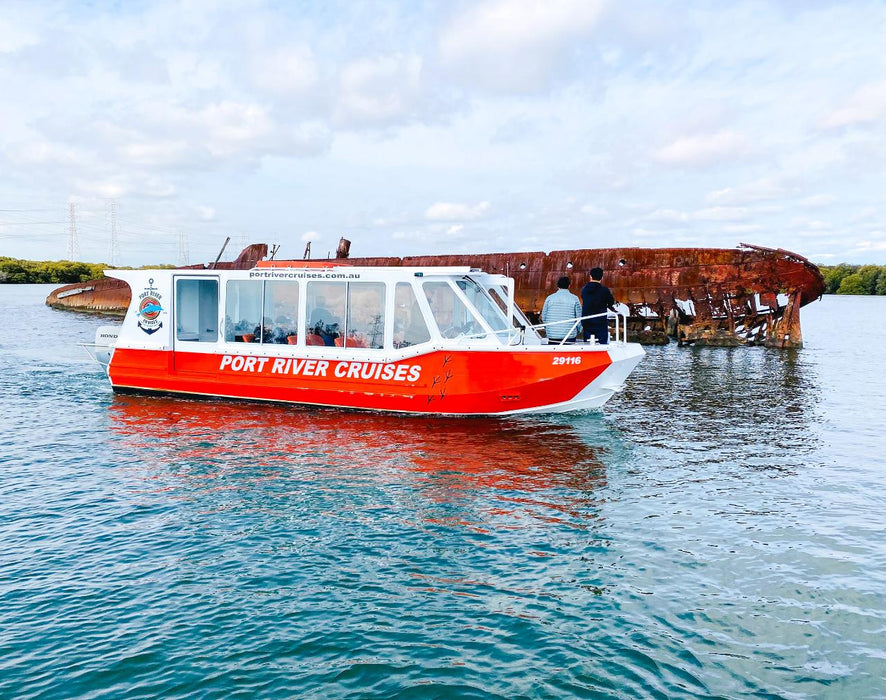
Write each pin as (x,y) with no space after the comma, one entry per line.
(149,309)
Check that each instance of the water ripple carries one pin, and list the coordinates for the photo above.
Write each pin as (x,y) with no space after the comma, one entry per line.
(716,533)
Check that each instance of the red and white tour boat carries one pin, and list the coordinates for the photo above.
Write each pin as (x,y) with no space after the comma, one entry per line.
(446,341)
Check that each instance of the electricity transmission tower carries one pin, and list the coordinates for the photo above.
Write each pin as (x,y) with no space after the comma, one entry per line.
(115,245)
(73,243)
(183,250)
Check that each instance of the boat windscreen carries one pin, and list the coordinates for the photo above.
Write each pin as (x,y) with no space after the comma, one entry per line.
(488,310)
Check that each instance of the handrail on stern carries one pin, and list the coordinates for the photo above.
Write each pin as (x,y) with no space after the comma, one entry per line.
(621,329)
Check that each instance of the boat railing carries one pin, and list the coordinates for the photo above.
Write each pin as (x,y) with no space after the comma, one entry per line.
(515,335)
(621,325)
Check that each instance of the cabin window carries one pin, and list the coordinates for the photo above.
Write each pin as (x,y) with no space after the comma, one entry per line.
(196,310)
(243,306)
(410,327)
(281,312)
(366,315)
(345,314)
(325,313)
(490,312)
(450,313)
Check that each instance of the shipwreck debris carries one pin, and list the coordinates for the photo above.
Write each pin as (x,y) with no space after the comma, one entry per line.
(749,295)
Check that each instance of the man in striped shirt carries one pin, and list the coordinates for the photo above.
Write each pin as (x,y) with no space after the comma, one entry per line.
(561,306)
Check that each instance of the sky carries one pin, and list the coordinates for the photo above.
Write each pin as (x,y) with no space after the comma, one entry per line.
(423,127)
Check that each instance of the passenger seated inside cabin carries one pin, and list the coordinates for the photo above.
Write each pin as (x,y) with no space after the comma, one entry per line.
(282,330)
(263,332)
(354,340)
(243,331)
(324,323)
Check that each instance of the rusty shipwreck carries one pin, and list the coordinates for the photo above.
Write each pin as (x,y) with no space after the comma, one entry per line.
(749,295)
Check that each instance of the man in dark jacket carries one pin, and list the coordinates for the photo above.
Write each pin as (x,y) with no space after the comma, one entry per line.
(595,299)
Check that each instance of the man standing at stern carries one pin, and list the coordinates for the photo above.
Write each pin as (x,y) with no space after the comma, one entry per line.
(561,309)
(596,298)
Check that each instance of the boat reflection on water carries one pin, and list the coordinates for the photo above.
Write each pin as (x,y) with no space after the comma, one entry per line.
(226,445)
(717,404)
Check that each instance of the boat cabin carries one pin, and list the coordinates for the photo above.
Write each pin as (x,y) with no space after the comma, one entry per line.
(356,309)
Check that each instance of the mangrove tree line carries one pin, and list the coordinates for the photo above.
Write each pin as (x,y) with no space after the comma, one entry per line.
(854,279)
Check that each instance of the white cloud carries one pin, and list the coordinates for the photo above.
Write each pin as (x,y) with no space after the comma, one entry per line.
(721,214)
(673,216)
(747,193)
(131,185)
(289,71)
(704,149)
(12,41)
(594,210)
(512,45)
(379,90)
(155,153)
(668,216)
(864,214)
(865,246)
(45,153)
(231,125)
(866,106)
(413,235)
(449,211)
(742,228)
(310,236)
(817,200)
(809,224)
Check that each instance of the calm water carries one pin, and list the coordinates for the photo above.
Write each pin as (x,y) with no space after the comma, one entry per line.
(718,531)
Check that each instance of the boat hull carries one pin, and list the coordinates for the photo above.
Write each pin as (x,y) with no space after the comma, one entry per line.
(522,380)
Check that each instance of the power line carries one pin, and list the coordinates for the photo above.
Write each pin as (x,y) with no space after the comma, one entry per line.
(73,243)
(183,250)
(114,252)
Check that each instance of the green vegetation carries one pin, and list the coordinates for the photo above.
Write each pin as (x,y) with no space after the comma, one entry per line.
(854,279)
(13,271)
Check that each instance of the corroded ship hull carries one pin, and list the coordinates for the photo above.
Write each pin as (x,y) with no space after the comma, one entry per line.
(705,296)
(111,296)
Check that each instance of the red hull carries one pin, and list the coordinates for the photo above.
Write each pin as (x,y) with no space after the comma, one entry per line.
(440,382)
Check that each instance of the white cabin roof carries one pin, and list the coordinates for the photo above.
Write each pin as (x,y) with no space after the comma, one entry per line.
(278,271)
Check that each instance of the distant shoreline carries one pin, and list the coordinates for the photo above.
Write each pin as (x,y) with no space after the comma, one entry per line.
(17,271)
(864,280)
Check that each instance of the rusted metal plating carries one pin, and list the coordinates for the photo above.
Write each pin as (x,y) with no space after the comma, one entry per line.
(705,296)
